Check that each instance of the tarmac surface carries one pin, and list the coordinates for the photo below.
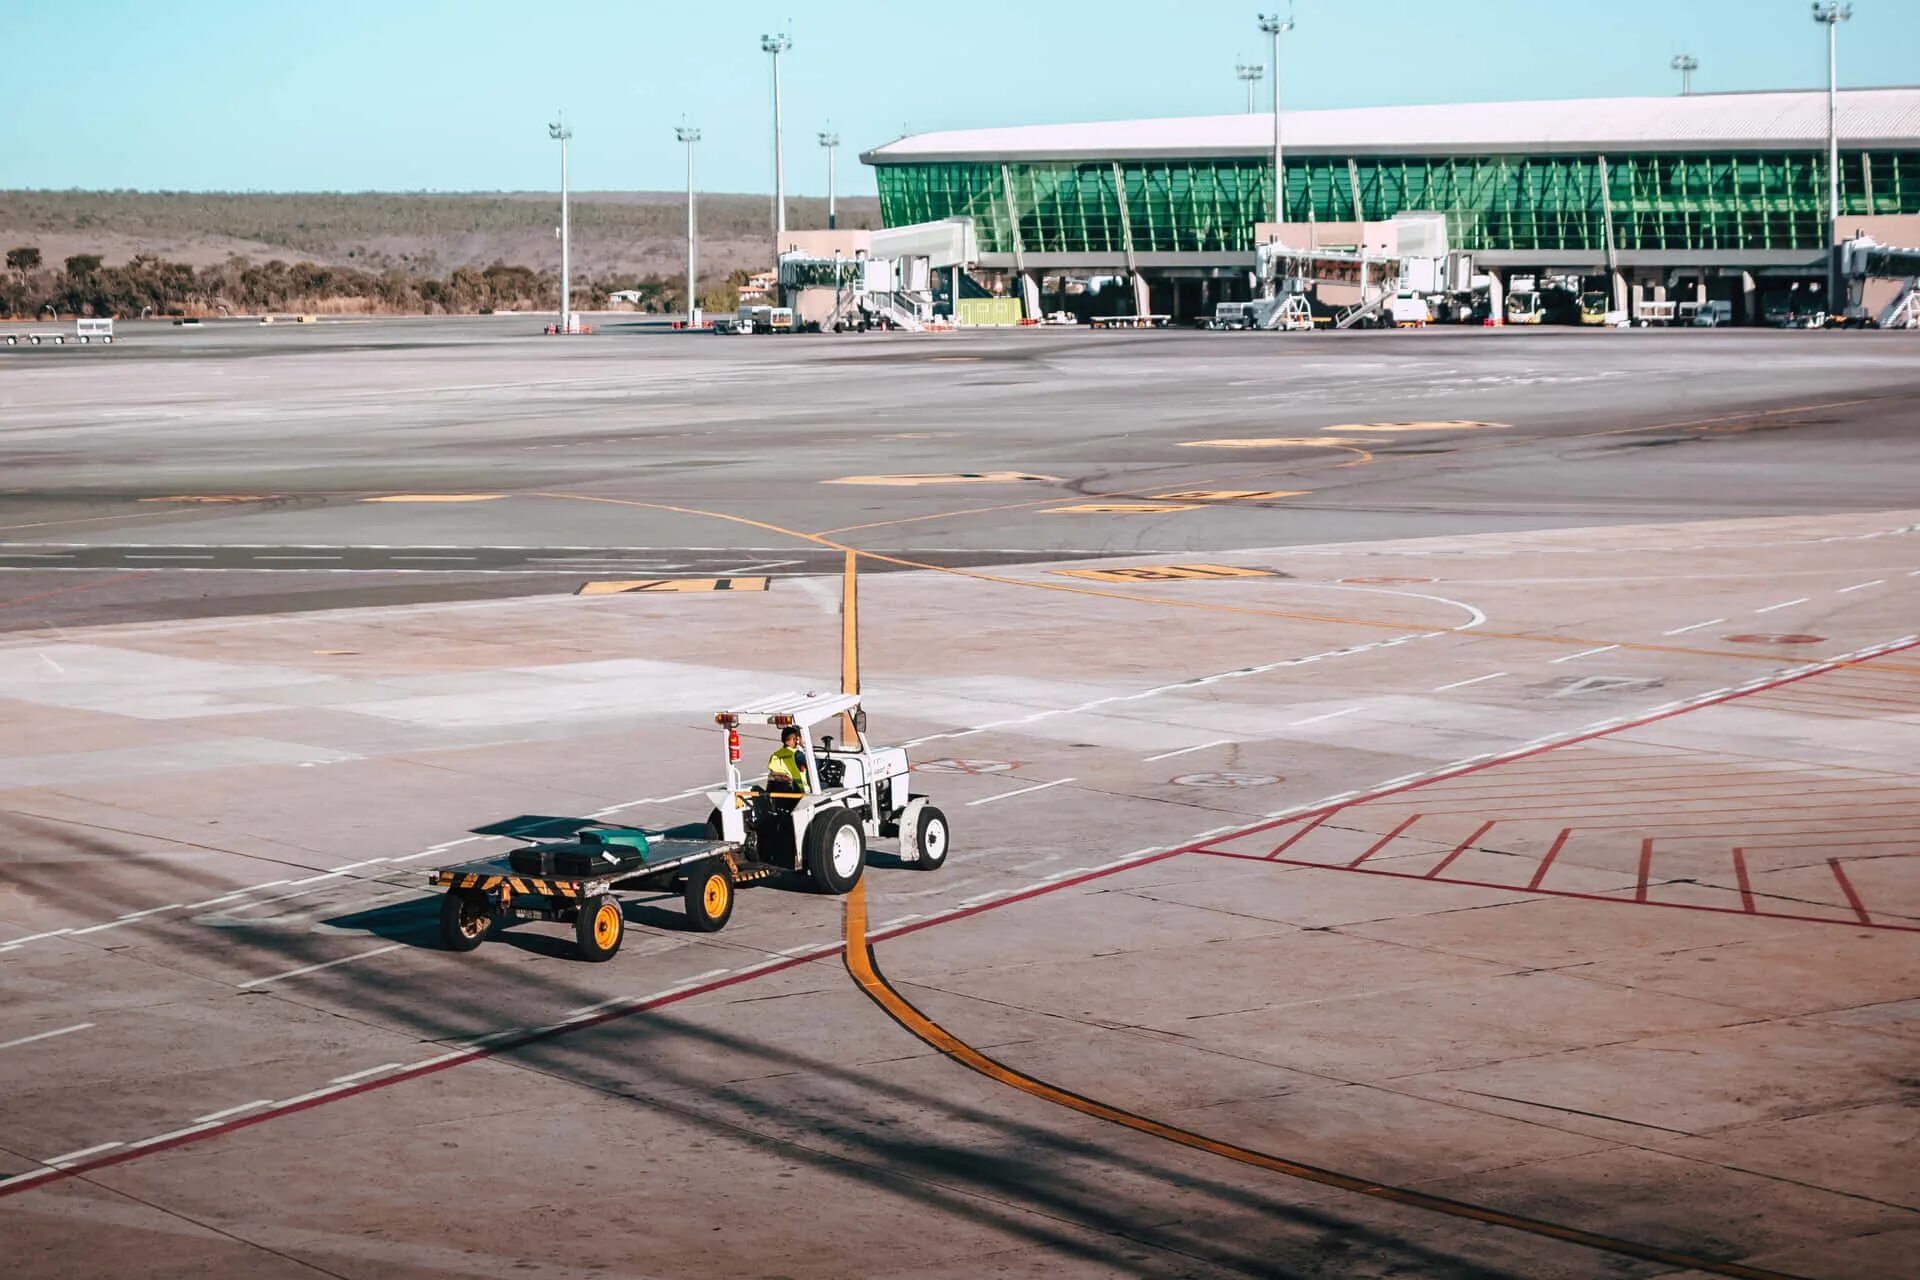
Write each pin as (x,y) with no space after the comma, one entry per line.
(1430,804)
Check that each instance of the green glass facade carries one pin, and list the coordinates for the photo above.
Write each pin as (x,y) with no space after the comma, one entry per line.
(1661,201)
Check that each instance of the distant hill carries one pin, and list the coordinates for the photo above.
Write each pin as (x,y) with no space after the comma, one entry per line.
(614,233)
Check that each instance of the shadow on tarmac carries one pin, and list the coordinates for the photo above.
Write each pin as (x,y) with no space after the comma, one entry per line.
(1114,1201)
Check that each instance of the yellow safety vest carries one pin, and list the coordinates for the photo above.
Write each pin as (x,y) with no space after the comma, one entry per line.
(785,763)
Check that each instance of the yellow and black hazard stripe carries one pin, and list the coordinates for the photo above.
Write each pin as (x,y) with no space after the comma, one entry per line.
(517,884)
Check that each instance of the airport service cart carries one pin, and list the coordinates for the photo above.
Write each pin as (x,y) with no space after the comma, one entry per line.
(579,882)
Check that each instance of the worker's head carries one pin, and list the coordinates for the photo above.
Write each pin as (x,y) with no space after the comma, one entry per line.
(791,736)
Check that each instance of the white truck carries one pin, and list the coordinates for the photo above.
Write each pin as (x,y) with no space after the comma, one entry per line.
(86,330)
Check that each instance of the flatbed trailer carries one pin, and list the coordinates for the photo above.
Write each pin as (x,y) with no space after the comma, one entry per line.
(485,894)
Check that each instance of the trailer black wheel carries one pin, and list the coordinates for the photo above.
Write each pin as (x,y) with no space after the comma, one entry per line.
(931,837)
(601,928)
(836,851)
(466,918)
(709,896)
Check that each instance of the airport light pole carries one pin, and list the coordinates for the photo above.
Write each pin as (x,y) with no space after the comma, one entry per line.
(1686,64)
(831,141)
(690,136)
(1832,13)
(1251,73)
(776,44)
(559,132)
(1274,25)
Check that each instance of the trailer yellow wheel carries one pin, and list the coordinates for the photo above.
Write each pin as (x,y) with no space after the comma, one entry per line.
(466,917)
(600,928)
(709,897)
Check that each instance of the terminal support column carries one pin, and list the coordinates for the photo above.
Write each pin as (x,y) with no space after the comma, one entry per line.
(1616,280)
(1141,306)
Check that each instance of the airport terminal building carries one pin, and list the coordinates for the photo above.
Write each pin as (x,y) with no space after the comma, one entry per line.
(1720,193)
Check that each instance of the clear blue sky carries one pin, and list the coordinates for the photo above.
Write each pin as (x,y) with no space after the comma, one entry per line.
(453,95)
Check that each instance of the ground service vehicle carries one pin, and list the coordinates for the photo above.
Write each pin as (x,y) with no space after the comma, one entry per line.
(854,794)
(1593,308)
(87,329)
(1714,314)
(1525,308)
(1410,310)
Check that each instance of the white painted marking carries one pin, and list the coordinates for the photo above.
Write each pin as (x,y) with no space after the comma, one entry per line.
(158,556)
(351,1076)
(1325,716)
(46,1035)
(979,898)
(1584,653)
(1168,755)
(1694,626)
(1784,604)
(168,1136)
(1862,586)
(35,937)
(296,557)
(74,1157)
(1461,684)
(211,1116)
(1008,795)
(329,964)
(896,922)
(150,911)
(702,977)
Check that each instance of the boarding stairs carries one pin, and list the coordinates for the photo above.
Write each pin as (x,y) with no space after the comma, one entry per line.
(1362,311)
(902,309)
(1904,311)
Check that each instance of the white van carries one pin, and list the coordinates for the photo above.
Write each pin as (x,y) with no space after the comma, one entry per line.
(1714,314)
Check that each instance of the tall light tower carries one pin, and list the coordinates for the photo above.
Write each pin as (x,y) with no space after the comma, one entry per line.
(690,136)
(1251,73)
(1686,64)
(1273,25)
(559,132)
(776,44)
(1832,13)
(831,141)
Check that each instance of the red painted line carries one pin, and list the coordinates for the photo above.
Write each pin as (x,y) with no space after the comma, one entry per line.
(1320,814)
(1846,887)
(1568,893)
(1733,819)
(1646,865)
(1658,795)
(1848,843)
(1384,840)
(1740,873)
(1461,848)
(1540,872)
(1296,836)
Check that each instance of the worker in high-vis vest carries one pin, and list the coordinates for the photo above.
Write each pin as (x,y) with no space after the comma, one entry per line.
(787,767)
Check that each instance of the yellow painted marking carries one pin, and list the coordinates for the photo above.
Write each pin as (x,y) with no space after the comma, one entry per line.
(1209,606)
(1121,508)
(953,477)
(849,639)
(216,497)
(437,497)
(865,972)
(1233,495)
(1164,572)
(659,585)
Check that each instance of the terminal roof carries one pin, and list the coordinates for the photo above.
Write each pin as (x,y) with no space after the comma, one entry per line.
(1704,121)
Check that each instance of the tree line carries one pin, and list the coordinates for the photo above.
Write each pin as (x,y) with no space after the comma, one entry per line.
(84,285)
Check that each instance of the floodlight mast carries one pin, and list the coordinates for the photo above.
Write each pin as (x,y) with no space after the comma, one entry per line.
(1250,73)
(1686,64)
(1274,25)
(776,44)
(1831,13)
(831,141)
(690,136)
(559,132)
